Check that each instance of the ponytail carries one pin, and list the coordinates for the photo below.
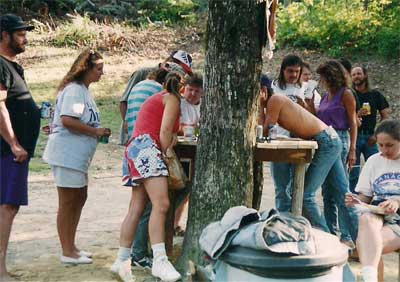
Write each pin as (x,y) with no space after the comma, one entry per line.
(172,84)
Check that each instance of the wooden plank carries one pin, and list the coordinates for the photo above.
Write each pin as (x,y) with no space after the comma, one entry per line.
(288,144)
(283,155)
(298,188)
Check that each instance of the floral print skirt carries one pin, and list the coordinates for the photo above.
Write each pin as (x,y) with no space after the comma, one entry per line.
(142,159)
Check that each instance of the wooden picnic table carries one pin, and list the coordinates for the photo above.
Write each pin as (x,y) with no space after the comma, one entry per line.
(289,150)
(295,151)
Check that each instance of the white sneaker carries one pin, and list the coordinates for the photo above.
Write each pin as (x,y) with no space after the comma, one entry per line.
(86,254)
(123,270)
(80,260)
(164,270)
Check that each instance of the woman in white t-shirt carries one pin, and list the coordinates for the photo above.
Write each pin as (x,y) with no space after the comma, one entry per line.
(379,184)
(72,142)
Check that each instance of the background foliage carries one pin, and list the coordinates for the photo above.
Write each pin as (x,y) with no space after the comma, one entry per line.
(133,11)
(337,27)
(342,27)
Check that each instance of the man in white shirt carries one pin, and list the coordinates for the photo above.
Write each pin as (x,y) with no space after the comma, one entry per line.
(190,116)
(190,105)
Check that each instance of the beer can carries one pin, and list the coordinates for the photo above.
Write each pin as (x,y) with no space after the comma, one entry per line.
(259,133)
(45,110)
(103,139)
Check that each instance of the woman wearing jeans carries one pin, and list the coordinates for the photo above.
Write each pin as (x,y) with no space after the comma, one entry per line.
(338,109)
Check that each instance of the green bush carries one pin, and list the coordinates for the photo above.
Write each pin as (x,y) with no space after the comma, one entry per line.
(135,11)
(77,33)
(342,27)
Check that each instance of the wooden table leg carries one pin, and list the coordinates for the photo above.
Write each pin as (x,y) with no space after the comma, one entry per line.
(298,188)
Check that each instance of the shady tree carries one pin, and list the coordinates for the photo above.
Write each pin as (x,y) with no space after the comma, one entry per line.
(224,166)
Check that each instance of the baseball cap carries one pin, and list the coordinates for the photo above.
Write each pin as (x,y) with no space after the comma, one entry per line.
(184,58)
(10,23)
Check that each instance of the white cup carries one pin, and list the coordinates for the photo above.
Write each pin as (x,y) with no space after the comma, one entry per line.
(188,132)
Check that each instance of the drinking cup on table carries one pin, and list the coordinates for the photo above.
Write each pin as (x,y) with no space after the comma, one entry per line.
(188,132)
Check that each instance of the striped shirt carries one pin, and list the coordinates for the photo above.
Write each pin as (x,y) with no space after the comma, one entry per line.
(139,93)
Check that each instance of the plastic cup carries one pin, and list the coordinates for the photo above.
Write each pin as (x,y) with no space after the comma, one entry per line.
(188,132)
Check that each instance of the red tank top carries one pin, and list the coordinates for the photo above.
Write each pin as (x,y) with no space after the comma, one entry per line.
(149,118)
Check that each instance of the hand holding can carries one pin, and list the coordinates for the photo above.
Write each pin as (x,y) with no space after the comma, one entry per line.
(104,134)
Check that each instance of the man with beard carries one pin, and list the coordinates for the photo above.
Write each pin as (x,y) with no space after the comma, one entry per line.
(371,102)
(19,129)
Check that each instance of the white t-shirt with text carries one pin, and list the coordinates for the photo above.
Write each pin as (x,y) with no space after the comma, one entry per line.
(380,178)
(64,147)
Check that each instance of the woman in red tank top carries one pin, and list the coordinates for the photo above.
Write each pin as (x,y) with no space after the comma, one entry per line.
(145,170)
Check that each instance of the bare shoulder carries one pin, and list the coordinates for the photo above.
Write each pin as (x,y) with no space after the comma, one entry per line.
(170,99)
(278,99)
(348,96)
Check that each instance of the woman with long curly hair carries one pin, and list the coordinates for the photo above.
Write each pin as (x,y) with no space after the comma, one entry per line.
(72,142)
(338,109)
(146,173)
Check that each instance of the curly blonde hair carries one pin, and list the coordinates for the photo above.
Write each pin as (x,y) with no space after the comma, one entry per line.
(84,63)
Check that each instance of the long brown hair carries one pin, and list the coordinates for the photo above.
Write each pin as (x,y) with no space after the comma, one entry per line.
(84,63)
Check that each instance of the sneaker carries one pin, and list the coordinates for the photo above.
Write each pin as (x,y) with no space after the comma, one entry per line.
(123,270)
(144,262)
(80,260)
(164,270)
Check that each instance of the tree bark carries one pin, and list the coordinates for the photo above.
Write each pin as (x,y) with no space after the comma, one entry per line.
(224,159)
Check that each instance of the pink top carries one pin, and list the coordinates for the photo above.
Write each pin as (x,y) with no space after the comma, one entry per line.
(149,118)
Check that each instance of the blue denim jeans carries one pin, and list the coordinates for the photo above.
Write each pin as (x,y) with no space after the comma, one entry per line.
(329,189)
(327,166)
(367,151)
(282,175)
(140,243)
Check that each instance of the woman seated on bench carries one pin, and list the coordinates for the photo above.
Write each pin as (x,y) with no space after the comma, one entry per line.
(379,184)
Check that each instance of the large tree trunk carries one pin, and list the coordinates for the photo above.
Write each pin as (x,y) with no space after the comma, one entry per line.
(224,161)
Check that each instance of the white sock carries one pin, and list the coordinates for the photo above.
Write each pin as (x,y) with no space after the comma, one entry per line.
(158,251)
(124,253)
(370,273)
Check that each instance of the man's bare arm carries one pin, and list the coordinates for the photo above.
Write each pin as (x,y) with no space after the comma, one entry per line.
(274,106)
(385,114)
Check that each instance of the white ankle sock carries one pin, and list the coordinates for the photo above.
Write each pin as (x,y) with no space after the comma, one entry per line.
(370,273)
(158,251)
(124,253)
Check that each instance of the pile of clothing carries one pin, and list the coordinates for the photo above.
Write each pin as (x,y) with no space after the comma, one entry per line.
(268,230)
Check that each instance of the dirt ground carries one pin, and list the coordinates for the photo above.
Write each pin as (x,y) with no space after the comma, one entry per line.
(34,248)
